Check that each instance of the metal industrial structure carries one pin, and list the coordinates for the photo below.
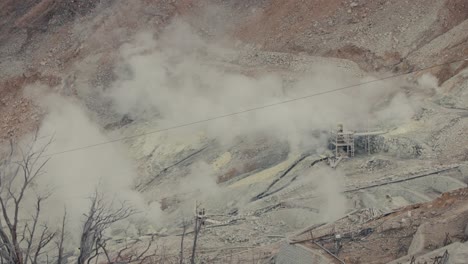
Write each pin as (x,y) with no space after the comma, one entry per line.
(342,142)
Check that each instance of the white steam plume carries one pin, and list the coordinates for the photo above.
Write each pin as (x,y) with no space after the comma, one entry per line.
(73,177)
(172,79)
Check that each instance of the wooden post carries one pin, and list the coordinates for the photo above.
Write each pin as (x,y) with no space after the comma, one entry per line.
(196,231)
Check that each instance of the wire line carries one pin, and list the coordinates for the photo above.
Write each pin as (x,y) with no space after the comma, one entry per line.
(250,109)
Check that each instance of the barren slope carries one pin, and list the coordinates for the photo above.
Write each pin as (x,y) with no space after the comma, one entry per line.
(267,187)
(379,35)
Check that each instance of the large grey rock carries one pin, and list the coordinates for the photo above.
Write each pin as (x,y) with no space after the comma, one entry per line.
(297,254)
(417,244)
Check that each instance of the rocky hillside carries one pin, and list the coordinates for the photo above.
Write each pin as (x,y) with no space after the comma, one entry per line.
(42,39)
(125,68)
(379,35)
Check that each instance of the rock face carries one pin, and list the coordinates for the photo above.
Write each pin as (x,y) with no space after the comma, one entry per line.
(417,244)
(293,254)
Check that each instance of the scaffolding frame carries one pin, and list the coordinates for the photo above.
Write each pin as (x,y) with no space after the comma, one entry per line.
(343,140)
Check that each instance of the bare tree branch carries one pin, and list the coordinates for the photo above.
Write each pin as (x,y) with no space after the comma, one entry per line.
(62,238)
(25,240)
(46,238)
(33,230)
(102,245)
(99,218)
(16,182)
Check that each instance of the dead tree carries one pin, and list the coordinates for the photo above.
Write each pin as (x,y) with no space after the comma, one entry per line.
(101,215)
(22,238)
(61,240)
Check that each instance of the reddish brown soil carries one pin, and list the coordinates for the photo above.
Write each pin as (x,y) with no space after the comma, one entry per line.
(392,234)
(281,26)
(18,114)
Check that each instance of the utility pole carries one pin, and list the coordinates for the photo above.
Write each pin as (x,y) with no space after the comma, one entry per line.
(199,221)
